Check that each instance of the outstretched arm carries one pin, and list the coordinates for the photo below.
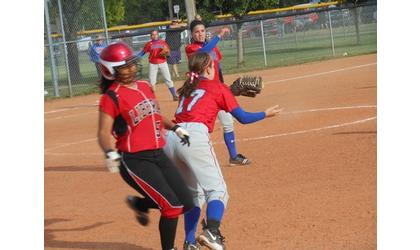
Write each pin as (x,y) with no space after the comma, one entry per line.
(248,117)
(213,42)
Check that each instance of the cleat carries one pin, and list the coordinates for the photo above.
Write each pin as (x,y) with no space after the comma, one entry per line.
(142,217)
(211,238)
(175,98)
(239,160)
(190,246)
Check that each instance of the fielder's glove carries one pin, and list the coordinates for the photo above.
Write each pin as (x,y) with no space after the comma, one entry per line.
(182,134)
(112,161)
(247,86)
(165,52)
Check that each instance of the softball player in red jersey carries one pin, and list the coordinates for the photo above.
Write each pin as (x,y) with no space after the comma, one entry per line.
(201,98)
(199,44)
(139,140)
(157,62)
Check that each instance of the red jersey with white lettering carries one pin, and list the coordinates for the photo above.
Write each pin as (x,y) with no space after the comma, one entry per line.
(205,102)
(154,47)
(214,54)
(141,111)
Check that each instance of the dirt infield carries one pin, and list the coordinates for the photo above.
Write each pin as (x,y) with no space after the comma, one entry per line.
(312,183)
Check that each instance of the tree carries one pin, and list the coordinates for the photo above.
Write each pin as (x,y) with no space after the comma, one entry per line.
(115,12)
(145,11)
(72,13)
(238,8)
(79,15)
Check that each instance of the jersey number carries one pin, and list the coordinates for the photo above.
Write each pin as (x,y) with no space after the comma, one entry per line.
(197,94)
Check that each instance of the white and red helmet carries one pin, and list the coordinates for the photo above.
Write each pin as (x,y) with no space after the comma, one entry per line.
(115,55)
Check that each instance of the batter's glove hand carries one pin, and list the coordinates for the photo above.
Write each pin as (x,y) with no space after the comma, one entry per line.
(183,134)
(112,161)
(165,52)
(247,86)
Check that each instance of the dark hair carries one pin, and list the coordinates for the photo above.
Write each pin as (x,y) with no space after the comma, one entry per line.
(195,23)
(197,63)
(104,84)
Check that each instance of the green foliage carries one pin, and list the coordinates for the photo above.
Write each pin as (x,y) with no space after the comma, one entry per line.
(288,3)
(115,11)
(238,8)
(145,11)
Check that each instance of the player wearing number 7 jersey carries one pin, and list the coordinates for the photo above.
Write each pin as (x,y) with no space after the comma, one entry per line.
(202,97)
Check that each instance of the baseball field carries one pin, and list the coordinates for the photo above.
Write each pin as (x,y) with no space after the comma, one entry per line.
(312,184)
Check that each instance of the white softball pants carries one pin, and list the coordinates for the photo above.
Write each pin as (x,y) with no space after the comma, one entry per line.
(164,69)
(226,120)
(198,164)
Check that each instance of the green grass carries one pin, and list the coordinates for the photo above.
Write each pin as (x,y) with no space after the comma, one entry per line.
(302,47)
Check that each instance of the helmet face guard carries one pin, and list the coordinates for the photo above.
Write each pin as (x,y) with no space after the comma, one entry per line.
(114,56)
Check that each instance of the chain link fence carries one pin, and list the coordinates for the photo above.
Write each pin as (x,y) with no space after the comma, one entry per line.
(68,69)
(268,41)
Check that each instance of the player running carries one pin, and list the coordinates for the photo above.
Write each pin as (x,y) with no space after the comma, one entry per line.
(199,44)
(129,110)
(202,96)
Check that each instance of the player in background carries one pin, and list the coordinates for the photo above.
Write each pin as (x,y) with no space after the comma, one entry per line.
(202,96)
(157,62)
(199,44)
(130,112)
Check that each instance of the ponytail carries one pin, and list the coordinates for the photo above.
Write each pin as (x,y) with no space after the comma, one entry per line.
(197,63)
(105,84)
(188,87)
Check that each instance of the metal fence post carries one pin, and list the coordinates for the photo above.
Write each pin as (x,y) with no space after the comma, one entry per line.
(331,34)
(344,23)
(65,49)
(263,42)
(104,21)
(51,50)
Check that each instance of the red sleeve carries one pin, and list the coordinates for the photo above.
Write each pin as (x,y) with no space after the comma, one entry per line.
(191,49)
(227,101)
(146,48)
(218,53)
(107,105)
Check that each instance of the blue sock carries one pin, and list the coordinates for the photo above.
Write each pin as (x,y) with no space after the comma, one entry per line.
(190,224)
(215,210)
(173,92)
(230,144)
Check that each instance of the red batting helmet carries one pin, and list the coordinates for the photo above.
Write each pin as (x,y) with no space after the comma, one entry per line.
(115,55)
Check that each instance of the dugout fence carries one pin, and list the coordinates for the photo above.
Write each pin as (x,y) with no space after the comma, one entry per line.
(268,40)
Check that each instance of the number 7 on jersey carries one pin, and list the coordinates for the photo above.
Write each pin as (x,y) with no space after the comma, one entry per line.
(196,94)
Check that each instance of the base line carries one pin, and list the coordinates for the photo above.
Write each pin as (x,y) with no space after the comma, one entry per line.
(321,73)
(302,131)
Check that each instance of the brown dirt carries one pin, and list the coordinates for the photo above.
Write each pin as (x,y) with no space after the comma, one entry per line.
(312,183)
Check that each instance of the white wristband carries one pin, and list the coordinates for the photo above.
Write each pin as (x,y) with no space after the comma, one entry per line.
(112,155)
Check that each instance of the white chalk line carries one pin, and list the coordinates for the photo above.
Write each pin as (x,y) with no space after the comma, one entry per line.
(67,116)
(248,139)
(71,108)
(320,73)
(71,143)
(302,131)
(329,109)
